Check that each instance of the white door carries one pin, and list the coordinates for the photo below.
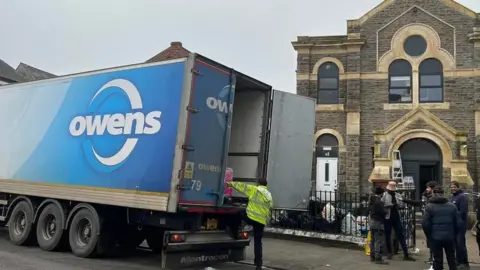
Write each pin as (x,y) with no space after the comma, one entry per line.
(327,171)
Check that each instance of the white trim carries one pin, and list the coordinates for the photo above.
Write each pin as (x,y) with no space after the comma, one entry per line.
(81,194)
(94,72)
(181,130)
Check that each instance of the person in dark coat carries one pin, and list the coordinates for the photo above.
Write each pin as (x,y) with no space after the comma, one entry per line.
(461,202)
(477,229)
(441,223)
(377,230)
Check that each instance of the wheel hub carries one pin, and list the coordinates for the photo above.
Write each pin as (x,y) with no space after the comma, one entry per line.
(84,232)
(20,223)
(50,227)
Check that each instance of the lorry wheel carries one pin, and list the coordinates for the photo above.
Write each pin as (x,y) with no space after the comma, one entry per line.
(84,233)
(20,227)
(49,228)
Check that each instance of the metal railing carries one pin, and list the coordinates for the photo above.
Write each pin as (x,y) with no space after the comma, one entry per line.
(339,213)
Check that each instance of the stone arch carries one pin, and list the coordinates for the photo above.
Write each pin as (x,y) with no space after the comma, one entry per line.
(434,49)
(341,69)
(341,144)
(442,143)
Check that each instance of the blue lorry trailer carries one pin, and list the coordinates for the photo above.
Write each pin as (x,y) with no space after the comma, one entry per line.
(106,159)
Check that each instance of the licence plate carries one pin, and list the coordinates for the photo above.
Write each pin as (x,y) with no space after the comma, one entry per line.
(212,224)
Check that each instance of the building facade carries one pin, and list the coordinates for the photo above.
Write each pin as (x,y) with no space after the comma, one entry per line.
(404,79)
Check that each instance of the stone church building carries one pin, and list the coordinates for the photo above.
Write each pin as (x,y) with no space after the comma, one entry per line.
(404,79)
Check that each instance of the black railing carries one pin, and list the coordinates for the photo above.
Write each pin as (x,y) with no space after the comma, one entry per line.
(339,213)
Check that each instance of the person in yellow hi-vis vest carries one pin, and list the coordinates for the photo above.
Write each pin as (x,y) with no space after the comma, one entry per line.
(257,214)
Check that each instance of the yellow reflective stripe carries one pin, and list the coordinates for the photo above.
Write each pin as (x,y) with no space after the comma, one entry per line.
(265,205)
(255,200)
(259,216)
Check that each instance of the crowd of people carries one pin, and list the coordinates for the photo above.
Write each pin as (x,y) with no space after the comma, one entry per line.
(444,223)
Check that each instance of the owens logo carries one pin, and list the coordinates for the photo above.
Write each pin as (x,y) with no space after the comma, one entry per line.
(220,104)
(133,123)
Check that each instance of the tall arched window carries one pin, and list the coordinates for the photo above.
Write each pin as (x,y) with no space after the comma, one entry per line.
(328,76)
(431,81)
(400,82)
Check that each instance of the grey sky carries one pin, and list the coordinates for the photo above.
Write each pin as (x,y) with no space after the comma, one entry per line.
(252,36)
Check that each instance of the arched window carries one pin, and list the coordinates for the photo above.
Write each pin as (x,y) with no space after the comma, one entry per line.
(328,76)
(327,140)
(431,81)
(400,82)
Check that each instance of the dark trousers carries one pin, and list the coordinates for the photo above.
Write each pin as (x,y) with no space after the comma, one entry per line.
(258,229)
(377,244)
(437,248)
(396,225)
(477,237)
(461,248)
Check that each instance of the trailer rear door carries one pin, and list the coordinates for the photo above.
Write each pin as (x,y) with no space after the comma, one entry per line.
(290,149)
(208,131)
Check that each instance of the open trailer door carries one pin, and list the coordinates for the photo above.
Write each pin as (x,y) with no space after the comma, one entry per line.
(289,155)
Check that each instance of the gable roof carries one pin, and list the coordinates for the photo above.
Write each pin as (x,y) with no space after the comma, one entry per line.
(8,73)
(385,3)
(32,74)
(176,50)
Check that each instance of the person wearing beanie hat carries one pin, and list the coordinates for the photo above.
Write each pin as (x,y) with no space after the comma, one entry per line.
(461,202)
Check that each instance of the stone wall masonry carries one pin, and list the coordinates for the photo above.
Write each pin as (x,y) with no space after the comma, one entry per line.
(303,88)
(416,16)
(353,62)
(352,164)
(461,22)
(306,62)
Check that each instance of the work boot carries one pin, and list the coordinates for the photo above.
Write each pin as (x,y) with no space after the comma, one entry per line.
(258,268)
(408,258)
(389,256)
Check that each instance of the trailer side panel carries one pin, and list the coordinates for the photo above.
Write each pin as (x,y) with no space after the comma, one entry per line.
(108,137)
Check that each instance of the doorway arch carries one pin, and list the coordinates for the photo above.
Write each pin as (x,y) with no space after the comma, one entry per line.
(326,156)
(422,159)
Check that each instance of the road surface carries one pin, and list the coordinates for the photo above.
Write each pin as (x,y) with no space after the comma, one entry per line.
(33,258)
(280,254)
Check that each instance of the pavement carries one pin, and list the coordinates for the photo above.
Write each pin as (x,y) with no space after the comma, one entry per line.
(279,254)
(472,247)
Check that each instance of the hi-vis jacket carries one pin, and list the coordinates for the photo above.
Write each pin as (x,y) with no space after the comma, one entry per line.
(259,201)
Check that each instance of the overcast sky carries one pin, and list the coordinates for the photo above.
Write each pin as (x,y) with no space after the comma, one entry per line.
(251,36)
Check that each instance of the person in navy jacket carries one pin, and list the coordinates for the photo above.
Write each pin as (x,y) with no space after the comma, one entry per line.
(461,202)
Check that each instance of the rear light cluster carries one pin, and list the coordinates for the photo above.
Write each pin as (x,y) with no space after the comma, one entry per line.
(177,238)
(243,235)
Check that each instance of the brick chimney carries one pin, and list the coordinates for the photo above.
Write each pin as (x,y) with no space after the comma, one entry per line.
(175,51)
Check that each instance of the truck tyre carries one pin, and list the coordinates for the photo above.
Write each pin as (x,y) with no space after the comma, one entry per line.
(20,227)
(49,228)
(84,233)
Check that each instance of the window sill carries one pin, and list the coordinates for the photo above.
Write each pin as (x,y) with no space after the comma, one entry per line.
(397,106)
(436,106)
(329,107)
(410,106)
